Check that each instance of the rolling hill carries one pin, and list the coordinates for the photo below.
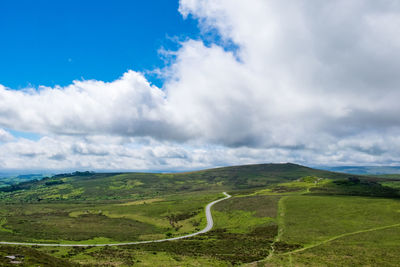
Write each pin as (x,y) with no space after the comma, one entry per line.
(278,214)
(89,186)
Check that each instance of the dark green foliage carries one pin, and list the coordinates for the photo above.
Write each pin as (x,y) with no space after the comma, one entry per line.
(260,175)
(12,180)
(281,247)
(285,189)
(354,186)
(77,173)
(54,182)
(42,210)
(388,177)
(175,218)
(218,244)
(59,226)
(20,186)
(113,252)
(268,232)
(310,179)
(353,180)
(234,248)
(30,257)
(115,186)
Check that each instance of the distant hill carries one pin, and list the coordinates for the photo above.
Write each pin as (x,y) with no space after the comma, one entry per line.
(248,176)
(8,179)
(365,170)
(88,186)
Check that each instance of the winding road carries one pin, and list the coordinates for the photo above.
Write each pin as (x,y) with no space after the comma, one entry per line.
(210,224)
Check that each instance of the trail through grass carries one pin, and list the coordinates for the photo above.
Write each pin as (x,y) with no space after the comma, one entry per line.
(209,226)
(281,225)
(341,236)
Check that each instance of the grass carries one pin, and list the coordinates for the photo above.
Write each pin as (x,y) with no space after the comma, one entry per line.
(100,187)
(312,225)
(141,202)
(59,222)
(239,221)
(233,248)
(129,256)
(356,187)
(31,257)
(336,231)
(241,214)
(57,226)
(374,248)
(246,238)
(260,206)
(3,221)
(311,219)
(280,214)
(394,184)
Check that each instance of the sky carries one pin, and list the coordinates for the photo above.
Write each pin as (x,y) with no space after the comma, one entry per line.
(52,43)
(191,84)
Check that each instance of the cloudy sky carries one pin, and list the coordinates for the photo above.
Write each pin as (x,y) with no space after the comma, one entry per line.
(174,85)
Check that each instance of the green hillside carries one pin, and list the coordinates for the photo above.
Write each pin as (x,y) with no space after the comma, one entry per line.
(279,213)
(87,186)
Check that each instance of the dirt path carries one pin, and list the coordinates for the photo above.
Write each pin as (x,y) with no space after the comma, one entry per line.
(340,236)
(290,253)
(210,224)
(279,220)
(281,224)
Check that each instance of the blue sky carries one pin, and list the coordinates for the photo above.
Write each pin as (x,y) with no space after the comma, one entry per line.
(252,81)
(55,42)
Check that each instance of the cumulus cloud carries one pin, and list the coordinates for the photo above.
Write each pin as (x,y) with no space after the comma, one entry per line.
(61,153)
(127,106)
(5,136)
(311,82)
(307,69)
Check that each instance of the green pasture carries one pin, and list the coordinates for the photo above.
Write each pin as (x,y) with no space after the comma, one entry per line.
(310,219)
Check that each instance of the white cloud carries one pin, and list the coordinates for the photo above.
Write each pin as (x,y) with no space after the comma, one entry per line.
(127,106)
(116,153)
(5,136)
(315,83)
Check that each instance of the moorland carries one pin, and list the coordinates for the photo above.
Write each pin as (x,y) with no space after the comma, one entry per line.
(278,215)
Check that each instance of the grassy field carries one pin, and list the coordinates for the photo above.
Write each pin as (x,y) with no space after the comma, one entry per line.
(63,222)
(374,248)
(310,219)
(31,257)
(336,230)
(97,187)
(279,215)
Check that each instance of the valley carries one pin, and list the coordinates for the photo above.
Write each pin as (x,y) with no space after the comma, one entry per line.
(278,215)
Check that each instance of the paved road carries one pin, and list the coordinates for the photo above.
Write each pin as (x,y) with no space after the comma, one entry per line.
(210,224)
